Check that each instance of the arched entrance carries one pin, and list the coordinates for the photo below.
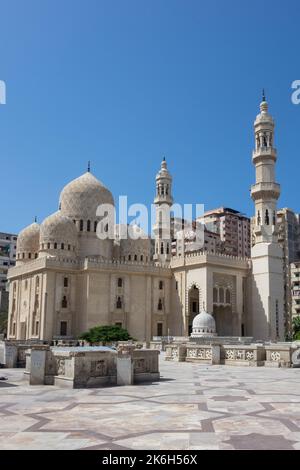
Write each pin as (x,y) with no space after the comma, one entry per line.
(193,305)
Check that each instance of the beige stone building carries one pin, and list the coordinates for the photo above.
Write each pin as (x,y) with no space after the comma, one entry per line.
(67,279)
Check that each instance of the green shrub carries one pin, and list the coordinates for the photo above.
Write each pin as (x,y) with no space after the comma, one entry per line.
(296,327)
(105,334)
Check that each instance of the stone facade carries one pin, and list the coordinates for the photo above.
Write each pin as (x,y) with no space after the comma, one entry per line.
(68,279)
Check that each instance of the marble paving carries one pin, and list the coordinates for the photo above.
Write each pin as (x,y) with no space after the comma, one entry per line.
(193,407)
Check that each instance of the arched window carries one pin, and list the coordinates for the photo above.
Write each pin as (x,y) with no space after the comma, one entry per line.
(119,302)
(142,257)
(215,294)
(258,218)
(161,285)
(69,247)
(129,257)
(274,218)
(160,305)
(55,246)
(95,226)
(221,295)
(29,255)
(36,255)
(88,226)
(135,257)
(120,282)
(267,220)
(64,302)
(66,282)
(228,296)
(62,246)
(48,246)
(168,248)
(161,248)
(81,225)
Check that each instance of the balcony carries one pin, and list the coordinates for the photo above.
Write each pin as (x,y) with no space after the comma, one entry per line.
(265,189)
(264,152)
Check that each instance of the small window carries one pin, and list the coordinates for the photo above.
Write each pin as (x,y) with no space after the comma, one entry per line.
(55,246)
(160,305)
(29,255)
(129,257)
(159,329)
(64,302)
(95,226)
(119,302)
(135,257)
(142,258)
(161,285)
(88,226)
(69,247)
(62,246)
(48,246)
(66,282)
(161,248)
(176,285)
(119,324)
(81,225)
(63,328)
(120,282)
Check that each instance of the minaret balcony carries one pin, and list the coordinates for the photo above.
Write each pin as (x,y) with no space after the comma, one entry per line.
(264,152)
(265,191)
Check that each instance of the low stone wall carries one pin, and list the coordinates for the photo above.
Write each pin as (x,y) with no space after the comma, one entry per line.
(12,353)
(81,367)
(175,352)
(279,355)
(204,353)
(243,355)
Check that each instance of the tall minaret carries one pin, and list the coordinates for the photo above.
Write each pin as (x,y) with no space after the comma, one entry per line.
(163,202)
(265,191)
(267,267)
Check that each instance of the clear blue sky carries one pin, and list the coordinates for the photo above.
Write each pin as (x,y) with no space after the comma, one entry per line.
(124,82)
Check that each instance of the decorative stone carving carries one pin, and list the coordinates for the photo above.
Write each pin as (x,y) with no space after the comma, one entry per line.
(229,354)
(98,368)
(249,355)
(275,356)
(60,367)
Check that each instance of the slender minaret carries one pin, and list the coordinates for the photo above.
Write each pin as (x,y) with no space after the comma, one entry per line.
(266,254)
(163,201)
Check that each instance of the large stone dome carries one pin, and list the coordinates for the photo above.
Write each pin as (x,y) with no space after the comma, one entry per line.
(58,232)
(203,325)
(28,242)
(80,198)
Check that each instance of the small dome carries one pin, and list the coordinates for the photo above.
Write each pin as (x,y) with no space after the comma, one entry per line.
(28,241)
(204,325)
(60,230)
(81,197)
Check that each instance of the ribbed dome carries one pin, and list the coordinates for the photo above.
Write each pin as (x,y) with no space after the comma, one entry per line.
(204,325)
(28,239)
(58,228)
(80,198)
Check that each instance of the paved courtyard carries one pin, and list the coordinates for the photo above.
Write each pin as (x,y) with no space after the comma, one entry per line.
(192,407)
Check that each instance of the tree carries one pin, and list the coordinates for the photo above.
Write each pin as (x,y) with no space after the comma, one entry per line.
(296,327)
(105,334)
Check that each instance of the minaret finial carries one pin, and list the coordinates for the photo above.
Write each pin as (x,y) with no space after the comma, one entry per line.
(35,219)
(263,95)
(89,166)
(164,159)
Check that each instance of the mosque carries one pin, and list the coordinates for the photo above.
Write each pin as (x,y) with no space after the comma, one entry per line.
(67,280)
